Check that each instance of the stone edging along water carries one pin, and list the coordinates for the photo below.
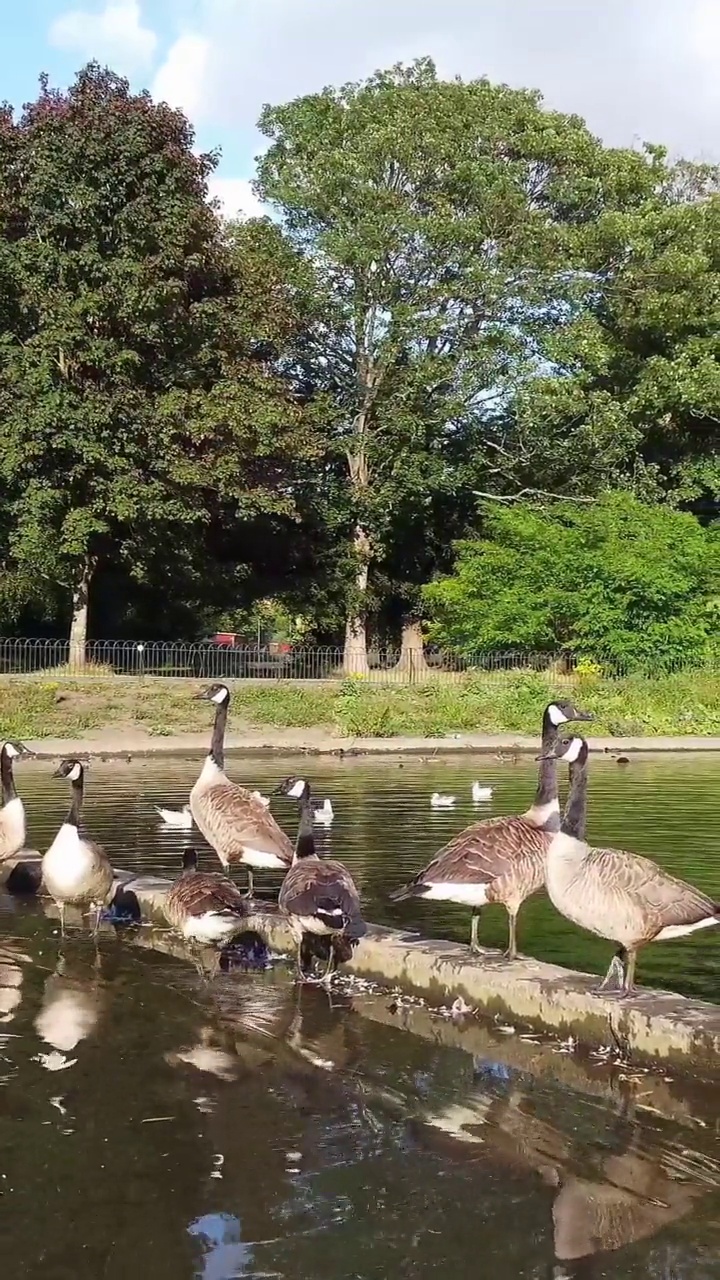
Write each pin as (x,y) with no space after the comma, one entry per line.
(654,1025)
(119,744)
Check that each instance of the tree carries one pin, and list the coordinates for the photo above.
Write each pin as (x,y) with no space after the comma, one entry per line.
(618,581)
(444,224)
(139,397)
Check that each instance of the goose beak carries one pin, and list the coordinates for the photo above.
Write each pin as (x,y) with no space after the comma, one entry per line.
(202,696)
(585,715)
(58,774)
(546,755)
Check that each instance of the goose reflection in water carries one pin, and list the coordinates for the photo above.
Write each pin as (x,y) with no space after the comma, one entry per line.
(12,959)
(70,1008)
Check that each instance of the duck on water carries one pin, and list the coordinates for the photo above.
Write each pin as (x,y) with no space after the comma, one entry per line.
(500,859)
(613,893)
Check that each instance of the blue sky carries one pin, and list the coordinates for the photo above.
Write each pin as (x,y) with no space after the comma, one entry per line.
(635,69)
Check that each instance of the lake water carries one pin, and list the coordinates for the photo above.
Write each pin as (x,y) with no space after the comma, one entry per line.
(159,1125)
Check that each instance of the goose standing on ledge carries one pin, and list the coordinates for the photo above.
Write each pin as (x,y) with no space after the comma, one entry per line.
(235,822)
(500,859)
(621,896)
(76,871)
(12,813)
(318,895)
(203,906)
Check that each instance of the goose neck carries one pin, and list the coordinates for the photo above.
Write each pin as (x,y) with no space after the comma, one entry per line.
(7,778)
(76,800)
(217,742)
(574,818)
(545,808)
(305,842)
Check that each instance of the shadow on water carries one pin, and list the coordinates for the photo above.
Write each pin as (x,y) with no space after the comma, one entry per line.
(156,1122)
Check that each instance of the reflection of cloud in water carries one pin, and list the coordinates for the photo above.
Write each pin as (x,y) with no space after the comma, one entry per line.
(69,1013)
(224,1254)
(11,976)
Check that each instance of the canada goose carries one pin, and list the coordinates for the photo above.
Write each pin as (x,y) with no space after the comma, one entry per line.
(438,801)
(621,896)
(12,813)
(318,895)
(232,820)
(203,906)
(480,793)
(499,859)
(325,814)
(76,870)
(180,818)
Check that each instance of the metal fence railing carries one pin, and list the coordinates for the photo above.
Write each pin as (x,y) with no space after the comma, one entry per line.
(212,661)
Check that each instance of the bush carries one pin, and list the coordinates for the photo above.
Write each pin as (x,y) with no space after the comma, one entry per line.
(618,582)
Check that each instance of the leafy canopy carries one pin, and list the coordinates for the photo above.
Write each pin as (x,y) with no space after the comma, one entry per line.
(617,581)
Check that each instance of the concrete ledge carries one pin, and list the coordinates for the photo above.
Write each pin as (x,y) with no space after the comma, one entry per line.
(119,745)
(655,1025)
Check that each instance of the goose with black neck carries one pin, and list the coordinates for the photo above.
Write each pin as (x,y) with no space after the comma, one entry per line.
(618,895)
(234,821)
(76,871)
(500,859)
(318,895)
(12,813)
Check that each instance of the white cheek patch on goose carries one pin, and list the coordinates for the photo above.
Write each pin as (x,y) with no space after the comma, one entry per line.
(75,772)
(557,717)
(573,750)
(10,750)
(220,696)
(297,789)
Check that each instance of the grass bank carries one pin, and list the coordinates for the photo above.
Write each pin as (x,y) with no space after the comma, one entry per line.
(687,704)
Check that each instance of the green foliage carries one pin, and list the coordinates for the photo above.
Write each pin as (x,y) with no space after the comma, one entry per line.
(442,255)
(139,402)
(619,581)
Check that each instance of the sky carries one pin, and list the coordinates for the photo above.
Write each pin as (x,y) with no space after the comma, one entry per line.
(637,70)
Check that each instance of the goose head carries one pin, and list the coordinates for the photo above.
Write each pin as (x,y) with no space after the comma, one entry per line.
(216,693)
(560,711)
(71,769)
(15,750)
(293,787)
(572,750)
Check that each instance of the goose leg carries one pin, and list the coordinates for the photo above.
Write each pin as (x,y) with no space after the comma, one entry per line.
(614,981)
(330,967)
(299,967)
(61,909)
(630,962)
(511,953)
(96,923)
(251,884)
(474,944)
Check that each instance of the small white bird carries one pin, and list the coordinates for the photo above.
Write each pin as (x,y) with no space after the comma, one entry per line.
(181,818)
(481,793)
(263,799)
(324,815)
(438,801)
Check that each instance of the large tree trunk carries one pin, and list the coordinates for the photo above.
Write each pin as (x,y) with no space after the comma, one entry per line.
(411,662)
(79,623)
(355,659)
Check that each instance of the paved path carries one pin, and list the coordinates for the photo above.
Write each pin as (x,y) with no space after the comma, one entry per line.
(119,743)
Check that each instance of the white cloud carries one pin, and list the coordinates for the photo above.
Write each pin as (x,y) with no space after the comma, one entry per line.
(180,81)
(634,68)
(115,35)
(236,197)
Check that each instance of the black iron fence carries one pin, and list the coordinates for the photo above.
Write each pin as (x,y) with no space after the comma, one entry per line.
(208,660)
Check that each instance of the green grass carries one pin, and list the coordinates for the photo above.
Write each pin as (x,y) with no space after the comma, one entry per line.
(509,702)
